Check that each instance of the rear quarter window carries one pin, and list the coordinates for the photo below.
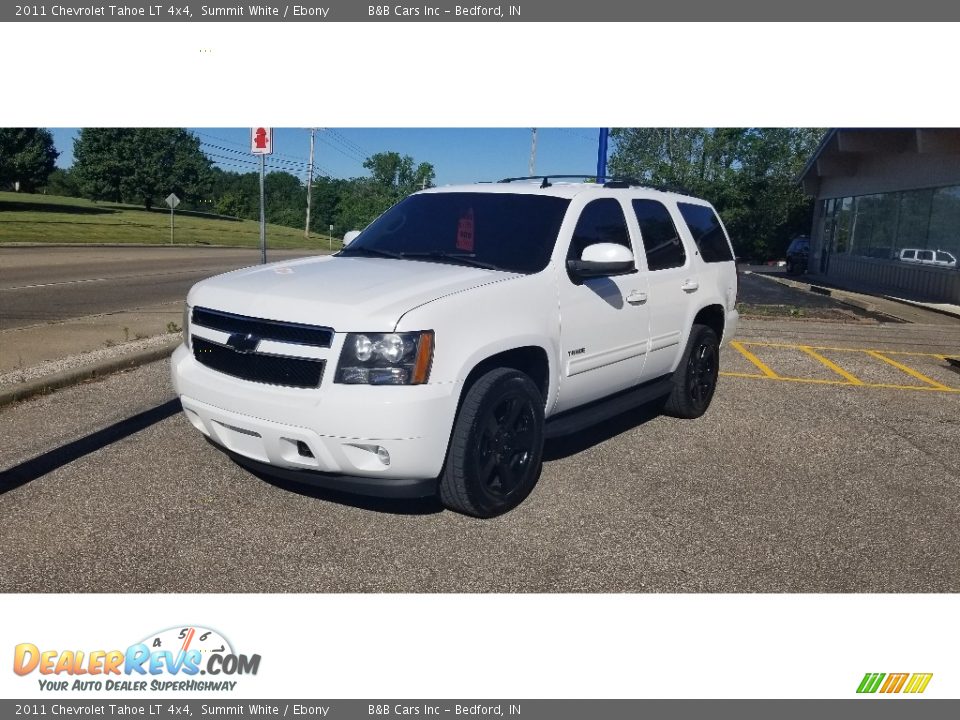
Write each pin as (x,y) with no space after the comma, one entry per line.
(707,232)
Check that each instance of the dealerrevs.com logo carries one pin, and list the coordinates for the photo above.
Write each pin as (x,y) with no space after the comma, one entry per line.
(172,659)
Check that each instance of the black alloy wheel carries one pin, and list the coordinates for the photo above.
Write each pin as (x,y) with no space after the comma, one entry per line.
(496,448)
(695,379)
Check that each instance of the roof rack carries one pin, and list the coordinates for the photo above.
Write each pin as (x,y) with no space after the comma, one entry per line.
(610,181)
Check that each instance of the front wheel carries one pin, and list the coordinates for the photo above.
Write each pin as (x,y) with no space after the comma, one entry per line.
(496,448)
(695,378)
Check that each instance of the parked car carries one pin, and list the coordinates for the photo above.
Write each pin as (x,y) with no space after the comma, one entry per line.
(445,342)
(798,254)
(940,258)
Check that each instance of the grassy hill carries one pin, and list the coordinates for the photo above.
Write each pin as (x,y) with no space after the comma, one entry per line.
(52,219)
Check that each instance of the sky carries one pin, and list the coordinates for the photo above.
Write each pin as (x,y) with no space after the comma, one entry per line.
(462,155)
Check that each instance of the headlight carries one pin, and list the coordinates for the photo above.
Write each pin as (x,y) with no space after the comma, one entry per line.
(186,324)
(386,358)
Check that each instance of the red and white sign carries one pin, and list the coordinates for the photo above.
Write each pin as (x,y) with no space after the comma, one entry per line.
(261,141)
(465,231)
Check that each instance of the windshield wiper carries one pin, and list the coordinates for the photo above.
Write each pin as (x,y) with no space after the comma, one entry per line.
(346,252)
(458,258)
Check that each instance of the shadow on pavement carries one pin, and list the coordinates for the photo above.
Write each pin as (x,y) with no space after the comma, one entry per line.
(563,447)
(39,466)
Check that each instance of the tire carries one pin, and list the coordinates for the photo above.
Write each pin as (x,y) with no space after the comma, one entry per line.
(695,378)
(496,448)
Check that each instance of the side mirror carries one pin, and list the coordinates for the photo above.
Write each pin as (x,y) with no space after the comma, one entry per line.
(350,237)
(602,260)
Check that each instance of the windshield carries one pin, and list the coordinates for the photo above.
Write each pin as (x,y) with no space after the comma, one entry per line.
(500,231)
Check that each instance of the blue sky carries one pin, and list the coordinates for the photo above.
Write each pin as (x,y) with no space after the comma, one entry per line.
(458,155)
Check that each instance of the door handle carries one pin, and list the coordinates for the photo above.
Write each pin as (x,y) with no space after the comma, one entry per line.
(636,297)
(690,285)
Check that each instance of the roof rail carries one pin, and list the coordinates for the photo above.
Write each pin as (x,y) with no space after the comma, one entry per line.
(609,180)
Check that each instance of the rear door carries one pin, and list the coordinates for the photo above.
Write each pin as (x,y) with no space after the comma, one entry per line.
(671,279)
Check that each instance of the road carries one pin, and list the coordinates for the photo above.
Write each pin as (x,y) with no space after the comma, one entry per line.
(801,480)
(53,284)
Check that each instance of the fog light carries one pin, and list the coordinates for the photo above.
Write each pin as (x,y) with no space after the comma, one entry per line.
(383,455)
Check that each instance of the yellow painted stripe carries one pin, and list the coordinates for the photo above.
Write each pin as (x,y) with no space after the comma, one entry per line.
(912,685)
(908,370)
(816,381)
(852,379)
(754,359)
(845,349)
(925,679)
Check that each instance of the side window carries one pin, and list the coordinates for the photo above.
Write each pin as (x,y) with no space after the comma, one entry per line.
(707,232)
(601,221)
(660,238)
(908,254)
(925,255)
(944,257)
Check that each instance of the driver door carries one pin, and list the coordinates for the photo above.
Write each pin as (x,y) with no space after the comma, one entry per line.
(604,321)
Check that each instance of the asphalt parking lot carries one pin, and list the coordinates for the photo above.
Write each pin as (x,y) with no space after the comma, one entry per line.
(833,470)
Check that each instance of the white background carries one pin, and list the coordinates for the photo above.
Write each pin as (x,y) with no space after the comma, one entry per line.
(479,75)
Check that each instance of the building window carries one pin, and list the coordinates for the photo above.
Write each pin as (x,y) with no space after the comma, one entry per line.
(883,225)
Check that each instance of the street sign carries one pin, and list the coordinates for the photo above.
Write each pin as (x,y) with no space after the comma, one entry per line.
(172,200)
(261,141)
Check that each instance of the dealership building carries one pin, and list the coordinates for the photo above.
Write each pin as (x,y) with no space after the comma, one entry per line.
(887,211)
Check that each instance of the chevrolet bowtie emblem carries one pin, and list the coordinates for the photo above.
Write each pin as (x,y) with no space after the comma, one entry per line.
(243,342)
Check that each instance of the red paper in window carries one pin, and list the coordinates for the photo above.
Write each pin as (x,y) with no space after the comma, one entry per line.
(465,232)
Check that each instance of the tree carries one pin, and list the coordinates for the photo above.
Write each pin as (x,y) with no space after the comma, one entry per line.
(749,174)
(140,165)
(62,182)
(392,170)
(27,156)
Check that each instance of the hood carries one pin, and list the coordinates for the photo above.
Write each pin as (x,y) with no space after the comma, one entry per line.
(349,294)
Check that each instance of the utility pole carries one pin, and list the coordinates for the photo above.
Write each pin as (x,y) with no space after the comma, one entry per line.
(306,230)
(602,155)
(533,150)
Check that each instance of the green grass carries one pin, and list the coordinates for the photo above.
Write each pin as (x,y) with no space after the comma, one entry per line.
(51,219)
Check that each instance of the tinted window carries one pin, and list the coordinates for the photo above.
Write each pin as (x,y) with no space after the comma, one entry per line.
(660,238)
(600,221)
(925,255)
(707,232)
(908,254)
(945,257)
(509,231)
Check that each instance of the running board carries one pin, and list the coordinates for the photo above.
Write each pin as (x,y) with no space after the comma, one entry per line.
(596,412)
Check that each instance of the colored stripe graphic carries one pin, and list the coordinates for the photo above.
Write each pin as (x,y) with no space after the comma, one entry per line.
(918,683)
(894,682)
(870,682)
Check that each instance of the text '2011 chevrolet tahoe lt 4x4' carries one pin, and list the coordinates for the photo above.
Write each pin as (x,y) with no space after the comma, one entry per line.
(436,351)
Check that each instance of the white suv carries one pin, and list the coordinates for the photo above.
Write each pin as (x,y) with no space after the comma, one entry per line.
(940,258)
(437,351)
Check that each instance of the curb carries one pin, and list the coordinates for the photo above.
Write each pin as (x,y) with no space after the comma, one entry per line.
(841,295)
(820,290)
(75,376)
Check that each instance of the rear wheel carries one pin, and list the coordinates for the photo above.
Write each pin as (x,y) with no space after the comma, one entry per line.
(496,449)
(695,378)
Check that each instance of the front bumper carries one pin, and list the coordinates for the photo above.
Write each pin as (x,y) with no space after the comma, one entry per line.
(394,488)
(334,436)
